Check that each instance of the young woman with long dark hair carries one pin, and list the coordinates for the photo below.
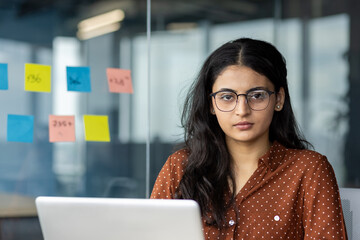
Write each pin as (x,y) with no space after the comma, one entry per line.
(245,161)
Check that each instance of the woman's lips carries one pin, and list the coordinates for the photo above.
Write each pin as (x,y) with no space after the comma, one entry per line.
(243,125)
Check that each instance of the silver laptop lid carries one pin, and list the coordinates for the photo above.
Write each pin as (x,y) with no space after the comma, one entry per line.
(351,208)
(116,219)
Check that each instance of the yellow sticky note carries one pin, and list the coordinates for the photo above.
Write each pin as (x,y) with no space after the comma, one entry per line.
(37,78)
(96,128)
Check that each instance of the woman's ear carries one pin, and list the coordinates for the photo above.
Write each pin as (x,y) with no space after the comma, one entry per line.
(212,109)
(280,99)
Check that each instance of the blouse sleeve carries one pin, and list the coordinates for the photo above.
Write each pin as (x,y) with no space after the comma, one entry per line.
(323,215)
(169,177)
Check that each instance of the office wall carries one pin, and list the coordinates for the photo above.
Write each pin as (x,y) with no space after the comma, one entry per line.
(318,39)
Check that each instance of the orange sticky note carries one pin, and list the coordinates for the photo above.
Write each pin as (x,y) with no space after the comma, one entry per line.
(119,80)
(37,78)
(96,128)
(61,128)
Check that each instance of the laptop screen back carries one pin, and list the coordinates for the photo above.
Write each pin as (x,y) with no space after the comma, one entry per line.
(116,219)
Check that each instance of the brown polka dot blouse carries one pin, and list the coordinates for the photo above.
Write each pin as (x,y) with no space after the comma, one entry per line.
(293,194)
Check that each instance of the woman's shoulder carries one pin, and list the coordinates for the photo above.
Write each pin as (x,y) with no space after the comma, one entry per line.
(179,157)
(286,154)
(308,159)
(306,154)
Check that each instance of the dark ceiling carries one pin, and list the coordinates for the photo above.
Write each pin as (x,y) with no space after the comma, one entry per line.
(38,21)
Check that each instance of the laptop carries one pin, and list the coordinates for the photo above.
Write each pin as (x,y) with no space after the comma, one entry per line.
(73,218)
(351,209)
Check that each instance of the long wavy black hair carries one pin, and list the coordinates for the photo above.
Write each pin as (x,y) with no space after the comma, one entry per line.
(208,169)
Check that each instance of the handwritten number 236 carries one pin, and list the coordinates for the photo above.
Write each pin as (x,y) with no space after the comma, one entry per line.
(34,78)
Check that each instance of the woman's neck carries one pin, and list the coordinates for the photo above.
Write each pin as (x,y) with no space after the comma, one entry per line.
(247,154)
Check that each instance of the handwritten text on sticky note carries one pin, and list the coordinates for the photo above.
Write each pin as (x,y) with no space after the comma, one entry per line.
(37,78)
(96,128)
(78,79)
(20,128)
(61,128)
(119,80)
(4,76)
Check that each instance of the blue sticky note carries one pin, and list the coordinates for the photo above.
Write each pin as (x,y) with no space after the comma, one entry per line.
(20,128)
(4,76)
(78,79)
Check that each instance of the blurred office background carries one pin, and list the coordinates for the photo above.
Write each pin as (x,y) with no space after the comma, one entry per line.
(320,40)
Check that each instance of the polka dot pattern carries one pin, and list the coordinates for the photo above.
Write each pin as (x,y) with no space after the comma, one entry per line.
(292,195)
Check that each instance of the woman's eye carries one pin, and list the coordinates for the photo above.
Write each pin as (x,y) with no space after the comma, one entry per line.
(227,97)
(257,95)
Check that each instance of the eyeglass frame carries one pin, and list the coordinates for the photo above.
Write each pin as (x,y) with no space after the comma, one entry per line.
(242,94)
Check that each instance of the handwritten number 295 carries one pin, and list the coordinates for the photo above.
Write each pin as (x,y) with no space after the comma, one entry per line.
(61,123)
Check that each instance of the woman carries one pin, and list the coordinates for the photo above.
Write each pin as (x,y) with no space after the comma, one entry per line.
(245,161)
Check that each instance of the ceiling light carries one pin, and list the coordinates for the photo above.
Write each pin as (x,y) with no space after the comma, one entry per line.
(84,35)
(101,20)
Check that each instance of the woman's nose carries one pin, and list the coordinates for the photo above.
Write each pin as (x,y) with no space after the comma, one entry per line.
(242,106)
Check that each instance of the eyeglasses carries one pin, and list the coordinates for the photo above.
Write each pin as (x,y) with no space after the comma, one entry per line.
(226,100)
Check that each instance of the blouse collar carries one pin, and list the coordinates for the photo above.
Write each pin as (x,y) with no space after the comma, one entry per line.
(274,156)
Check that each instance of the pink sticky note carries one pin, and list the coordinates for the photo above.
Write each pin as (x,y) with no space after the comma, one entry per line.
(61,128)
(119,80)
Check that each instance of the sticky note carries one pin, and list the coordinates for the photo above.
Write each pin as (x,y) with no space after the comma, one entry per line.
(119,80)
(61,128)
(96,128)
(78,79)
(4,76)
(37,78)
(20,128)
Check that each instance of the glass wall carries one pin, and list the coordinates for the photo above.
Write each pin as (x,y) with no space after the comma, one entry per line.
(319,40)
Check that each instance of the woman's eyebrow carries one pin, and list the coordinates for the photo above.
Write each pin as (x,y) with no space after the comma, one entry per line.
(251,89)
(257,88)
(226,90)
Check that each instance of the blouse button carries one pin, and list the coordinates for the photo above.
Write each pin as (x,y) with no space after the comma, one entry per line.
(231,222)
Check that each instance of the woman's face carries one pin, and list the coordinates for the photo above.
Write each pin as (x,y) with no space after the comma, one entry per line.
(244,124)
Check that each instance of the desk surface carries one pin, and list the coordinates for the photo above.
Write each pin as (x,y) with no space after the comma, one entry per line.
(13,206)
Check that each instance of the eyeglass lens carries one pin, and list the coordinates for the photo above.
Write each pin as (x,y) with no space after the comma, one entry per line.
(226,101)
